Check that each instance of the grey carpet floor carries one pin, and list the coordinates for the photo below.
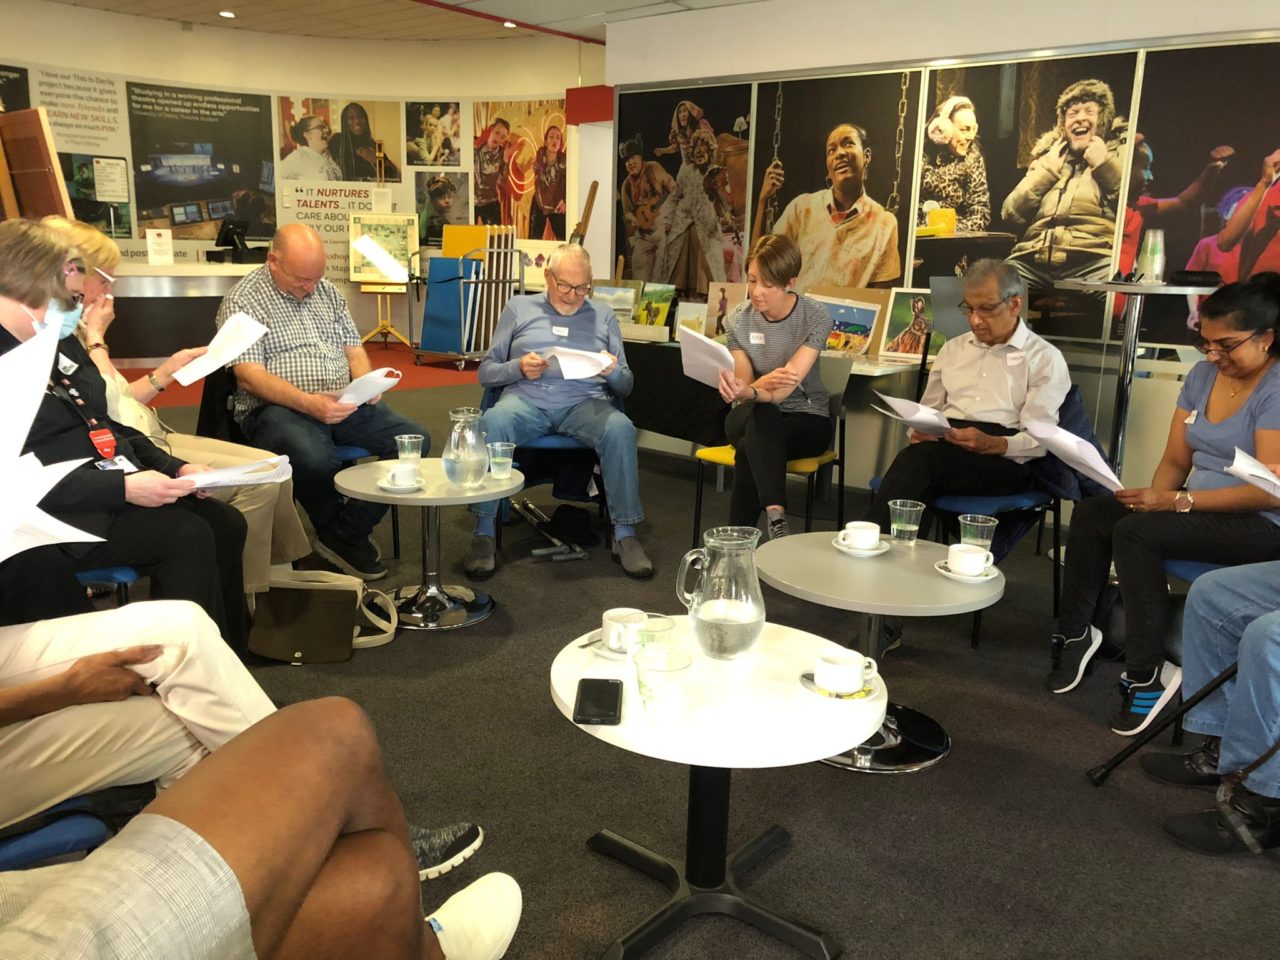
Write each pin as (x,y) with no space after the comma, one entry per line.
(1002,850)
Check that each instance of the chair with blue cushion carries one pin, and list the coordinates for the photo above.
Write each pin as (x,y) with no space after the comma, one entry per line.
(834,372)
(118,578)
(78,825)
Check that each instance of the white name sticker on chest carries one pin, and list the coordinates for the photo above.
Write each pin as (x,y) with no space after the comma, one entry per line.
(758,339)
(560,331)
(1191,417)
(1014,359)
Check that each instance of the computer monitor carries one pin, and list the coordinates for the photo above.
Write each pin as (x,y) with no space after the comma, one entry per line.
(231,234)
(184,213)
(219,209)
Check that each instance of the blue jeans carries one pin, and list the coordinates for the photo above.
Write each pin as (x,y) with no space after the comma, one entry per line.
(1234,615)
(310,445)
(595,422)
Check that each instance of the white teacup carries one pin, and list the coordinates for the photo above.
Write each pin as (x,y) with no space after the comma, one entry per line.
(844,671)
(860,535)
(968,560)
(613,623)
(403,473)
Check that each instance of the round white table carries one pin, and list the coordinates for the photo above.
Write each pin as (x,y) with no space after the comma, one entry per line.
(899,583)
(751,712)
(430,605)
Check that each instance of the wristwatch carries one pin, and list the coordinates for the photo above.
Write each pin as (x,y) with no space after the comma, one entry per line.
(1183,501)
(151,378)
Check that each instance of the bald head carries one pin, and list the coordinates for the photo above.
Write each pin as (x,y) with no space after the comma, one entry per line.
(296,260)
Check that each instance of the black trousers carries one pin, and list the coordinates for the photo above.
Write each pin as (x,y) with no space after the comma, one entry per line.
(1103,529)
(191,550)
(930,469)
(39,584)
(764,439)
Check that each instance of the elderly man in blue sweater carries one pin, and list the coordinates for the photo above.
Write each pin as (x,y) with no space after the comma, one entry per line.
(538,400)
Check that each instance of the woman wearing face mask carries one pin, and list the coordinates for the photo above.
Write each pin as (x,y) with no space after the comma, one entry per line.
(276,534)
(1193,509)
(310,159)
(781,410)
(954,172)
(128,492)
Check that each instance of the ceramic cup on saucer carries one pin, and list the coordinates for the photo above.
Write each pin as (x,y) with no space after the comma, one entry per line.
(860,535)
(403,473)
(613,634)
(968,560)
(843,671)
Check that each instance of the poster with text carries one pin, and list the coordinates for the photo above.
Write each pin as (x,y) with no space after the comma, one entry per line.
(838,182)
(441,198)
(433,133)
(200,156)
(520,168)
(86,110)
(15,91)
(99,191)
(1030,155)
(327,208)
(1210,187)
(682,185)
(338,139)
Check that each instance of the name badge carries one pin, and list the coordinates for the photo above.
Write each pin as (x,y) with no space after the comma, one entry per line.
(757,339)
(1191,418)
(67,366)
(1014,359)
(560,331)
(121,463)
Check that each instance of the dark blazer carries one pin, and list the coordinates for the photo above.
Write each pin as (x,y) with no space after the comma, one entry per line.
(87,497)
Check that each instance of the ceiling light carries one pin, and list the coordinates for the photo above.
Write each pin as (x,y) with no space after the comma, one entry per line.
(226,14)
(509,24)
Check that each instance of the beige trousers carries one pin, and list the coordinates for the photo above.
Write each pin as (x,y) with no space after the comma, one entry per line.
(204,697)
(275,533)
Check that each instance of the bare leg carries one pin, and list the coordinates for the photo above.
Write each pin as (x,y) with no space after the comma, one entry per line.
(298,806)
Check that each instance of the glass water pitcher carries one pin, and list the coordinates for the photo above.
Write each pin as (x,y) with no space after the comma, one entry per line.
(725,604)
(465,457)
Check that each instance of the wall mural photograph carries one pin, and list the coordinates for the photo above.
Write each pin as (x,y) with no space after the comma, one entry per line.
(682,185)
(520,173)
(833,166)
(1030,156)
(336,138)
(433,133)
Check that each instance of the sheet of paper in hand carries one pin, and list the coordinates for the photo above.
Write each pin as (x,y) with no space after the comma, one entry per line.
(1076,452)
(917,416)
(372,384)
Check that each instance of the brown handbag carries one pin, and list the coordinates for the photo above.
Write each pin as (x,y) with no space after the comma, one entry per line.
(314,616)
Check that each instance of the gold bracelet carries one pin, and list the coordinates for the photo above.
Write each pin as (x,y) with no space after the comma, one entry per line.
(98,346)
(151,378)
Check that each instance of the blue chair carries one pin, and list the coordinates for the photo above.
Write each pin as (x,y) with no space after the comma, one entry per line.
(349,455)
(120,578)
(63,829)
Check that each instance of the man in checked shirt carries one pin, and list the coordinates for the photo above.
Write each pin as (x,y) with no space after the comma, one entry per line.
(287,386)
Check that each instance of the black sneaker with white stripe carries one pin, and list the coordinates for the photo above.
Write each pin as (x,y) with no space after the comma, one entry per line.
(440,849)
(1145,698)
(1071,659)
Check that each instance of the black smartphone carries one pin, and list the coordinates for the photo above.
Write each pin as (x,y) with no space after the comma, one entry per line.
(599,701)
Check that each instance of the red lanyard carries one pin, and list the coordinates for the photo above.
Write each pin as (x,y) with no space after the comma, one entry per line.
(104,441)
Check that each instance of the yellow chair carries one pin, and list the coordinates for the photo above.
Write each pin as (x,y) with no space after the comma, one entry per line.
(834,371)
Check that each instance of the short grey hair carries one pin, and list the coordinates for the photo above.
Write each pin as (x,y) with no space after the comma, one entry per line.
(1008,280)
(571,251)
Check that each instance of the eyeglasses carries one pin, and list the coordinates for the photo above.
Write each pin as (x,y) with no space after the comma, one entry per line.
(581,289)
(1203,346)
(108,278)
(982,309)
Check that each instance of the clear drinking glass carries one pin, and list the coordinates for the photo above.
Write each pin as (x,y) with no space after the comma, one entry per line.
(500,456)
(409,446)
(904,519)
(977,529)
(660,678)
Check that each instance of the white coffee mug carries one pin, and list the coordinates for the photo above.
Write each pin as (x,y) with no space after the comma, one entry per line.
(843,671)
(403,474)
(968,560)
(860,535)
(612,627)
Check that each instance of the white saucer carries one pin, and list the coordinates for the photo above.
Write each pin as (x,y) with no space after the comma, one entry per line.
(851,552)
(806,681)
(384,484)
(987,574)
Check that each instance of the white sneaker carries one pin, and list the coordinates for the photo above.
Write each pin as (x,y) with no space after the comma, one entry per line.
(478,922)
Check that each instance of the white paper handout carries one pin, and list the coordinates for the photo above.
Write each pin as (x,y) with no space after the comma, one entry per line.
(703,358)
(1251,470)
(24,480)
(372,384)
(270,470)
(917,416)
(238,334)
(1076,452)
(577,364)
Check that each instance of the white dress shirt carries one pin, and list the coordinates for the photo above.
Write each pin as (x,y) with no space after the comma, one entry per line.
(1023,380)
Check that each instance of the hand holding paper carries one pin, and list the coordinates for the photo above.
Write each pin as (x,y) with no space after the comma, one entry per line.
(1254,471)
(238,334)
(1077,453)
(270,470)
(372,384)
(917,416)
(578,364)
(702,358)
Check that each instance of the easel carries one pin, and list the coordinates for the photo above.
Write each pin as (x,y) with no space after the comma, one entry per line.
(384,291)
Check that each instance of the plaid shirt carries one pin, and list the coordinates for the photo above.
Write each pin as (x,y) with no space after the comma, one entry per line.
(304,343)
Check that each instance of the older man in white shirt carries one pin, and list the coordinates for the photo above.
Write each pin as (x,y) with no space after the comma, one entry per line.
(989,383)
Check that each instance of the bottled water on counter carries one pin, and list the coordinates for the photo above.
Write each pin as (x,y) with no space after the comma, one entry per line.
(463,470)
(726,628)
